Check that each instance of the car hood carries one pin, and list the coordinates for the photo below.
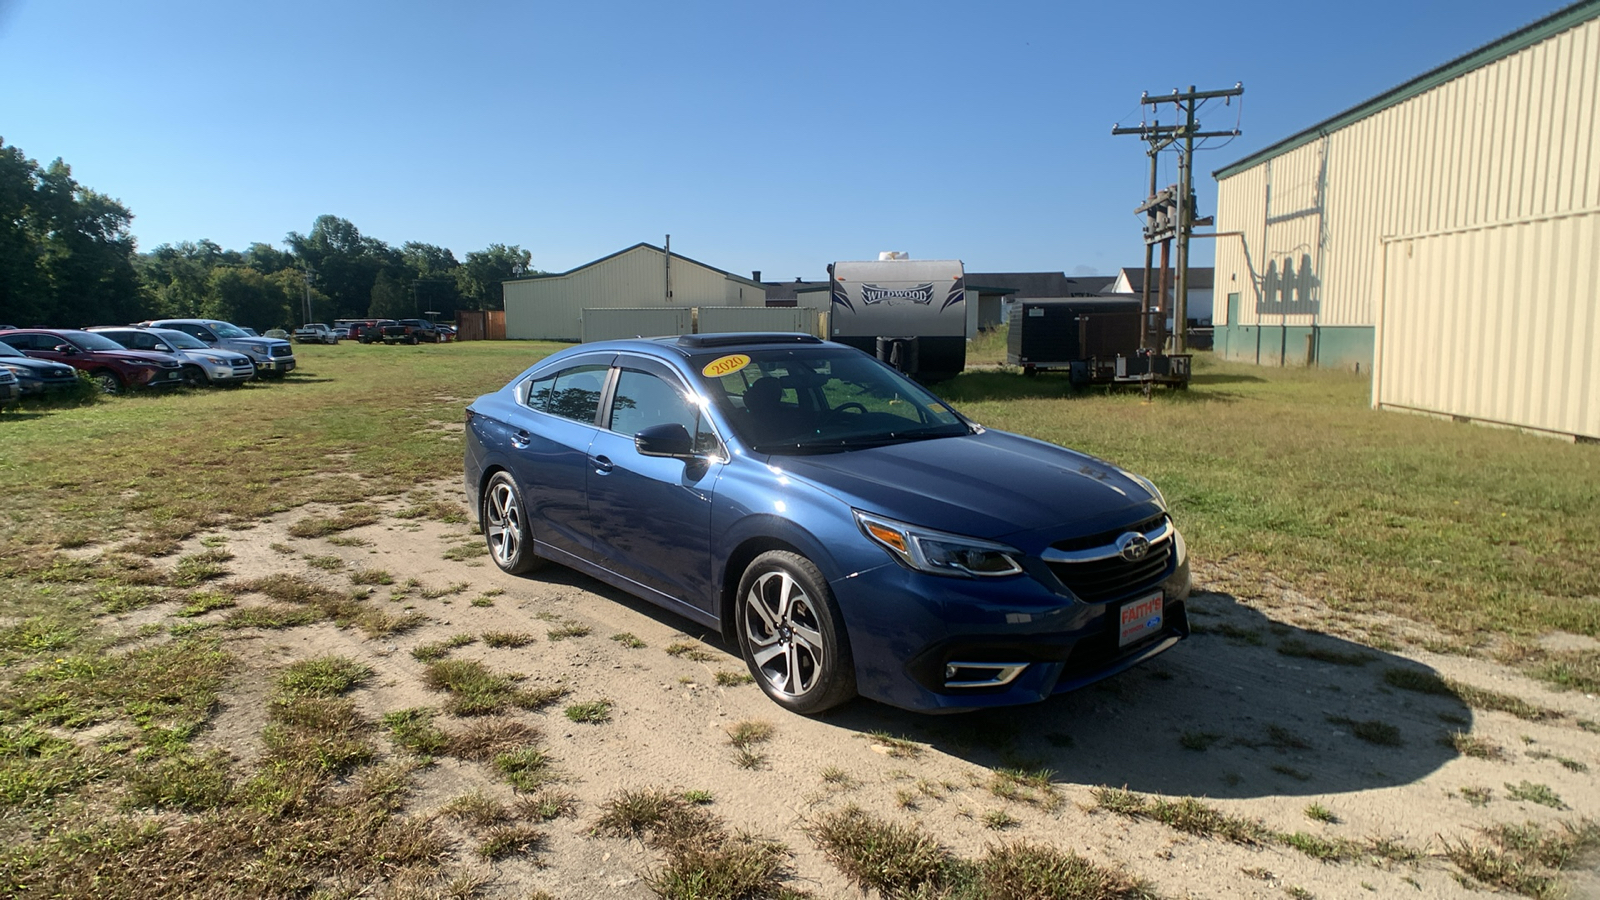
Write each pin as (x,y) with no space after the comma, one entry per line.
(256,343)
(40,367)
(989,485)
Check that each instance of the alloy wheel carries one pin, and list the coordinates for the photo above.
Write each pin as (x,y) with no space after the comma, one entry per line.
(785,637)
(503,523)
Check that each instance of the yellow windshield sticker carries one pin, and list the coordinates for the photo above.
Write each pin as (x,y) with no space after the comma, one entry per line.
(727,365)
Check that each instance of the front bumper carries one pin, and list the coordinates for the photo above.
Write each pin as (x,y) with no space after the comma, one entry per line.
(277,365)
(907,627)
(223,373)
(10,390)
(159,378)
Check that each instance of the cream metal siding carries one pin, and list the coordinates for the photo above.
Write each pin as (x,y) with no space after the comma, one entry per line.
(551,307)
(1460,222)
(610,323)
(777,318)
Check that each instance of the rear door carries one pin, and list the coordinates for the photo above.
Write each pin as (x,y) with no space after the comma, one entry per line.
(650,516)
(550,433)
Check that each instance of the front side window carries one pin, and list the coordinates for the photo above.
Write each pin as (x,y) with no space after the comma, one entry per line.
(643,399)
(572,393)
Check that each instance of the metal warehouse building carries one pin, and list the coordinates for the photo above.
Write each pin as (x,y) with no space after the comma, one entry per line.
(1445,234)
(643,284)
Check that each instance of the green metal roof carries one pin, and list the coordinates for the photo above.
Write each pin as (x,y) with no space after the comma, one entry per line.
(1496,50)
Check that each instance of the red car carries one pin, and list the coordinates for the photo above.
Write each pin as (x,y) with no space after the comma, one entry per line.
(114,367)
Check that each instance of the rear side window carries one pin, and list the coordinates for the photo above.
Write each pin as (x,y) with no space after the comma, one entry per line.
(570,393)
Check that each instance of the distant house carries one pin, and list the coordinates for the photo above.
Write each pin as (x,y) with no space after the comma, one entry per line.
(643,277)
(1131,281)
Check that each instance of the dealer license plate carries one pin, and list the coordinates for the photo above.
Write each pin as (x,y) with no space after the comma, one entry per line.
(1139,619)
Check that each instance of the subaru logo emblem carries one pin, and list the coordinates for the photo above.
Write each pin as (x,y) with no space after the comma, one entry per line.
(1133,546)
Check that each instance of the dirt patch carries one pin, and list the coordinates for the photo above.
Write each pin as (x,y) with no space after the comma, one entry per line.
(1265,713)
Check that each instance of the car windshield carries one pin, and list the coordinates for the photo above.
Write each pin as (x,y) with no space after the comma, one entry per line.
(224,330)
(87,341)
(8,350)
(180,340)
(819,401)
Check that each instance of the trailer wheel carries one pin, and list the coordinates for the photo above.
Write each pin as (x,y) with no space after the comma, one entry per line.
(1030,371)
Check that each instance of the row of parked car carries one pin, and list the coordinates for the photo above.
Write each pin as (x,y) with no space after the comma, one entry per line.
(372,331)
(160,353)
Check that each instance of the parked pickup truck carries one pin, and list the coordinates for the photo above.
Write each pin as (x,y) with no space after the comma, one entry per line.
(315,333)
(412,331)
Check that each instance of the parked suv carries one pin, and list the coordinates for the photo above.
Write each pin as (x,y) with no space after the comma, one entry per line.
(202,364)
(273,357)
(114,367)
(37,376)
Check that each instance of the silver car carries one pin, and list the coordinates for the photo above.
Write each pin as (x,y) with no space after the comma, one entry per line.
(273,357)
(202,364)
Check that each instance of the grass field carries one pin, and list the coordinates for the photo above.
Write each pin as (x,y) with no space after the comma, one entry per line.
(1486,537)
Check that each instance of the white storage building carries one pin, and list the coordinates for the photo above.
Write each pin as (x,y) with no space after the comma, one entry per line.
(642,278)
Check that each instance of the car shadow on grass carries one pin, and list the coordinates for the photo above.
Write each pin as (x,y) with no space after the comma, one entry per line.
(1220,378)
(1247,707)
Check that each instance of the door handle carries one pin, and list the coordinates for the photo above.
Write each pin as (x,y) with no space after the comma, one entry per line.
(603,465)
(521,439)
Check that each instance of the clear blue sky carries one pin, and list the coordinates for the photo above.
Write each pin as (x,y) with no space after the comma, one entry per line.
(762,135)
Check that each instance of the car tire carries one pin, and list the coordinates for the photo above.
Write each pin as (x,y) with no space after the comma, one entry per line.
(193,377)
(791,634)
(503,519)
(107,380)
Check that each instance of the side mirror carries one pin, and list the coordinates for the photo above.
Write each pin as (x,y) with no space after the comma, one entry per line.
(669,439)
(65,349)
(163,348)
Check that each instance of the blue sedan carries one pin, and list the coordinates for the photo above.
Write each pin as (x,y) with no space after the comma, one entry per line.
(849,531)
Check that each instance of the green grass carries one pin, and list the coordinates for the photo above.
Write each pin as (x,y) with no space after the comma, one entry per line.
(905,861)
(590,712)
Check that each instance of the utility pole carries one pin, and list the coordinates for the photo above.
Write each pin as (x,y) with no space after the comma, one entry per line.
(1169,214)
(310,276)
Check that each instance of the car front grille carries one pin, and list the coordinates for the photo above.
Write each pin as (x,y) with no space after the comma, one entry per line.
(1094,570)
(277,351)
(1107,579)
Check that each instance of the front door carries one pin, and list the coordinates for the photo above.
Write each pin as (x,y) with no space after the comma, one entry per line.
(651,516)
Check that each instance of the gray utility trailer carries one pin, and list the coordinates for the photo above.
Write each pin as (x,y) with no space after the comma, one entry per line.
(910,313)
(1095,339)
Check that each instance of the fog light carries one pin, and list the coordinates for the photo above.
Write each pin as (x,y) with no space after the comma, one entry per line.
(981,674)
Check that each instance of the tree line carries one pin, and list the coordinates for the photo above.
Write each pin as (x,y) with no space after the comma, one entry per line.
(68,258)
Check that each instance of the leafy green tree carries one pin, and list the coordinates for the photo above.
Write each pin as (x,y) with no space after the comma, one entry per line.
(24,291)
(243,296)
(267,259)
(345,263)
(390,298)
(88,251)
(292,282)
(479,278)
(176,276)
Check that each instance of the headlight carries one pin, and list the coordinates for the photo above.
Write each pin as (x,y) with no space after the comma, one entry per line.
(215,360)
(938,552)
